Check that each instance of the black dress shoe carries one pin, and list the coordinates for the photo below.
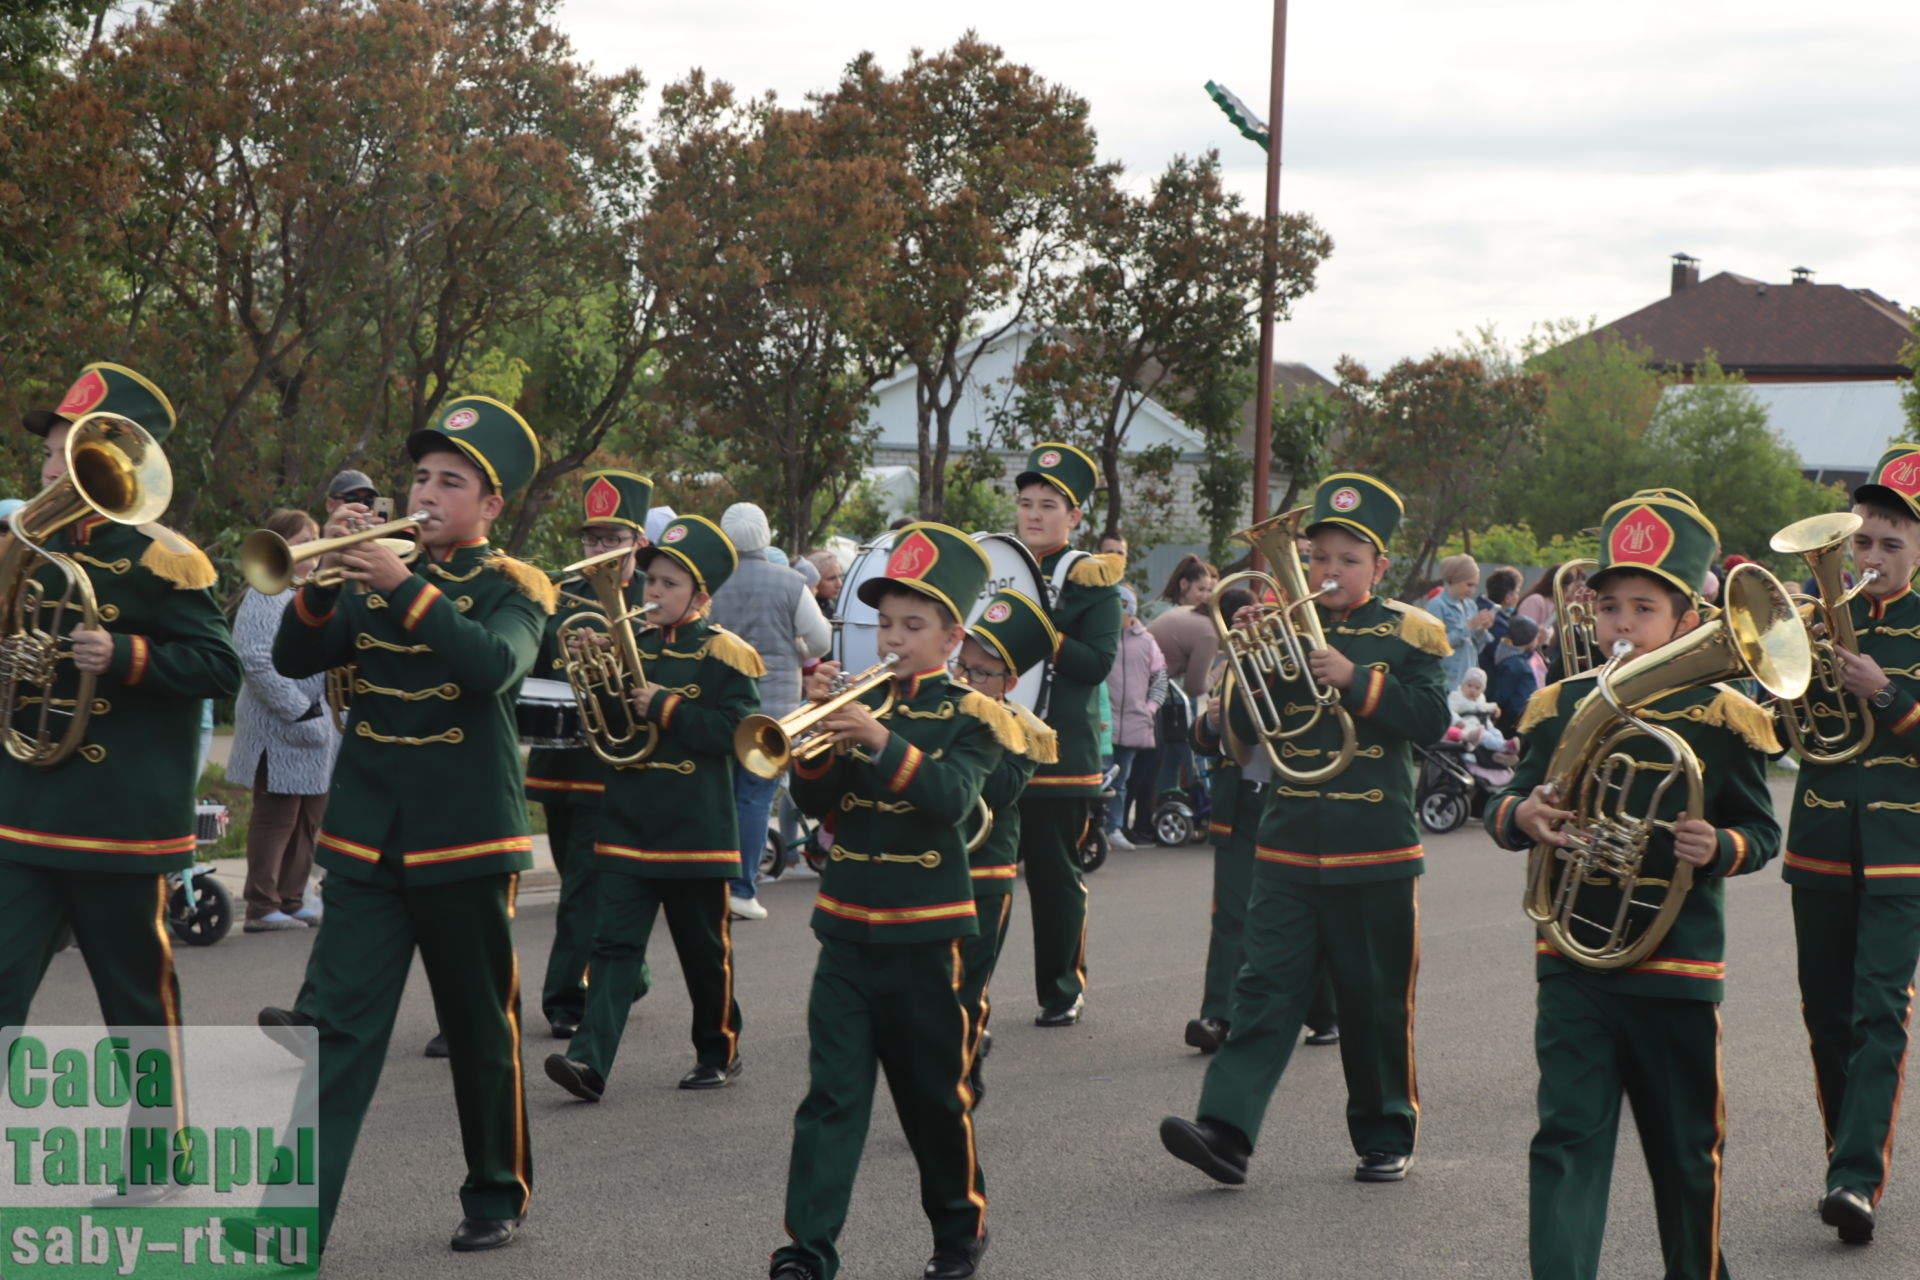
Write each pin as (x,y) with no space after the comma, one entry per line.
(1061,1017)
(1851,1213)
(706,1077)
(475,1234)
(976,1085)
(436,1047)
(577,1078)
(1382,1166)
(280,1024)
(792,1269)
(986,1047)
(1329,1034)
(1206,1034)
(956,1264)
(562,1028)
(1218,1150)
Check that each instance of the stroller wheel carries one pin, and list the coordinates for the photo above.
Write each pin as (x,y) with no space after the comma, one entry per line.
(1173,825)
(1443,810)
(206,919)
(773,857)
(1092,849)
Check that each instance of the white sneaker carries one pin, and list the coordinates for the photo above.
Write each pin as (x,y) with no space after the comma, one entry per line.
(311,914)
(272,922)
(1117,839)
(746,908)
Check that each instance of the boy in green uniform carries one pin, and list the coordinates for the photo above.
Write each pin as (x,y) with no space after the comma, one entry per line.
(88,841)
(569,782)
(1853,859)
(895,908)
(1053,810)
(1011,636)
(426,829)
(1336,863)
(668,841)
(1651,1031)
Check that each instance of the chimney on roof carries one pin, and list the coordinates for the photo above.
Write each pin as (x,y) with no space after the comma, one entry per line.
(1803,275)
(1686,271)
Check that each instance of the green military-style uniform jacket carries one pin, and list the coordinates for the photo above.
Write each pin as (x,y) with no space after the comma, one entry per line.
(672,815)
(899,870)
(996,861)
(569,775)
(1087,614)
(440,662)
(1732,737)
(1360,827)
(1871,805)
(124,800)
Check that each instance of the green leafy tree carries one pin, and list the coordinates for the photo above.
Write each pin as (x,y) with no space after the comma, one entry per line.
(1211,401)
(1910,390)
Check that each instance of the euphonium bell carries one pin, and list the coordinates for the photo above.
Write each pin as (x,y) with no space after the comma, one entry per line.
(767,746)
(1573,622)
(267,561)
(602,663)
(1821,541)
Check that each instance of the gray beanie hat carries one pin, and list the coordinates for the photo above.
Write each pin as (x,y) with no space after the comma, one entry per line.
(746,525)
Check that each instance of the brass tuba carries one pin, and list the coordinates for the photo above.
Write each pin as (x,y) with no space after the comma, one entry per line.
(1276,647)
(767,746)
(1821,541)
(604,675)
(1573,627)
(114,469)
(1587,897)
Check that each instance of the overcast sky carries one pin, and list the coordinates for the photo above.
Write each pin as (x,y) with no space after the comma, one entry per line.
(1476,161)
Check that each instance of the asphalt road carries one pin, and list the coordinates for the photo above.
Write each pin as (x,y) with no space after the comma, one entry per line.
(654,1182)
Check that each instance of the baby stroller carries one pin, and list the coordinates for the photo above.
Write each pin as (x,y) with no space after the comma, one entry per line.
(1092,849)
(1454,784)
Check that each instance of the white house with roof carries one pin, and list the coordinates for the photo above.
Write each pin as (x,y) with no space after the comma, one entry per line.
(1839,429)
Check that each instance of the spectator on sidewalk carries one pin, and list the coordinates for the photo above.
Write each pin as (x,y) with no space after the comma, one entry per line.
(1136,687)
(1502,594)
(826,592)
(1460,613)
(1516,673)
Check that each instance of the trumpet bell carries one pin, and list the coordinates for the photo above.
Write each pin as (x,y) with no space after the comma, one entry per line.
(267,560)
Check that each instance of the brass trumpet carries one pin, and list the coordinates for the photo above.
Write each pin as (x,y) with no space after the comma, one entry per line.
(1573,623)
(1821,542)
(267,561)
(604,676)
(767,746)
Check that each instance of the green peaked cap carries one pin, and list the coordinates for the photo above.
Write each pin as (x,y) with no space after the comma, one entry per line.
(615,497)
(491,435)
(697,544)
(1017,629)
(1664,536)
(1360,504)
(1064,467)
(107,388)
(939,562)
(1894,480)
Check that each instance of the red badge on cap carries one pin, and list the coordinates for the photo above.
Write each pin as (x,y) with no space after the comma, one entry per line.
(913,557)
(83,395)
(998,611)
(603,500)
(1641,537)
(1903,475)
(1344,499)
(460,420)
(1051,458)
(675,533)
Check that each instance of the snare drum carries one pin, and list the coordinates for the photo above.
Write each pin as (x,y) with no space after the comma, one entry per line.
(547,715)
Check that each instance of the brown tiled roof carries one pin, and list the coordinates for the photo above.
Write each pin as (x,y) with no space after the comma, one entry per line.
(1755,327)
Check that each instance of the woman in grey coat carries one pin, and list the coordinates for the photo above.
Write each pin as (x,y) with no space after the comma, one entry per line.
(283,747)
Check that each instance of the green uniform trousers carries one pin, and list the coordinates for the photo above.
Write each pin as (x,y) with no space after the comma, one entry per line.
(978,956)
(1593,1045)
(357,971)
(895,1006)
(1233,864)
(1050,829)
(571,830)
(700,923)
(1368,937)
(120,925)
(1857,957)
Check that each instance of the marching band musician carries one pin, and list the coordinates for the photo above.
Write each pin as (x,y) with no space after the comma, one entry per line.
(1011,636)
(569,782)
(441,647)
(895,909)
(88,841)
(1336,864)
(1651,1031)
(669,839)
(1053,810)
(1853,861)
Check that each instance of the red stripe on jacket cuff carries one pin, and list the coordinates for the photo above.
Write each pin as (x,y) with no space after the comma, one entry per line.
(307,615)
(421,603)
(138,666)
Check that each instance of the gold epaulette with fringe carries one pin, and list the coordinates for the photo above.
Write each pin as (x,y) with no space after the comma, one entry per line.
(1543,705)
(1098,571)
(735,652)
(173,558)
(1735,711)
(531,583)
(1043,744)
(1421,629)
(1007,730)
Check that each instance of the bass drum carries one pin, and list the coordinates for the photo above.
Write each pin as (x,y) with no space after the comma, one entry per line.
(1015,569)
(856,625)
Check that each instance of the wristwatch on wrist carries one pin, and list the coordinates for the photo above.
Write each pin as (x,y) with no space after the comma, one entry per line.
(1883,696)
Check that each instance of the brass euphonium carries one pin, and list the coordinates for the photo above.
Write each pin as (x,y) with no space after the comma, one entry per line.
(114,469)
(267,560)
(1573,627)
(1821,541)
(1587,897)
(602,662)
(768,746)
(1276,647)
